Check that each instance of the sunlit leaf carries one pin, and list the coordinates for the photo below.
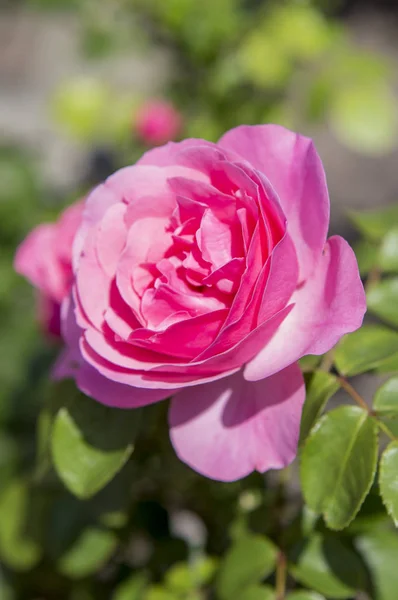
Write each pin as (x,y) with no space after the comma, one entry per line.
(258,592)
(132,588)
(92,549)
(388,253)
(251,559)
(382,300)
(157,592)
(17,548)
(91,443)
(388,480)
(183,577)
(385,401)
(338,464)
(365,349)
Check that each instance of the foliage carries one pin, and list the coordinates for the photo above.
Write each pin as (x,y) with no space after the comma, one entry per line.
(94,505)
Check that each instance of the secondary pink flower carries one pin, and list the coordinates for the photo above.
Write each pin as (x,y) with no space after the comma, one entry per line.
(204,272)
(158,122)
(44,258)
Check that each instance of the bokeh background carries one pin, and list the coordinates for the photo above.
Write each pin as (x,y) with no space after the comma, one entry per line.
(75,76)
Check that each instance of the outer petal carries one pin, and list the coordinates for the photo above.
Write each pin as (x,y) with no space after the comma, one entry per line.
(37,260)
(331,304)
(295,170)
(229,428)
(166,155)
(93,384)
(71,364)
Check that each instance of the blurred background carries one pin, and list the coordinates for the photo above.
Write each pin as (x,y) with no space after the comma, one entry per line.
(86,86)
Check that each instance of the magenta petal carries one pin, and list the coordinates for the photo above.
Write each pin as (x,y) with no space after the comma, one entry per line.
(330,304)
(231,427)
(295,171)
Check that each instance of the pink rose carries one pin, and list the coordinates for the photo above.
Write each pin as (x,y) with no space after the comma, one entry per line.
(157,123)
(204,272)
(44,258)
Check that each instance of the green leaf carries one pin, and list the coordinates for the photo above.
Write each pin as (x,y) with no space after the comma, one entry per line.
(91,443)
(183,577)
(338,464)
(132,588)
(388,253)
(258,592)
(324,564)
(304,595)
(388,480)
(320,387)
(250,559)
(382,300)
(311,361)
(388,366)
(380,551)
(366,253)
(88,554)
(385,401)
(371,516)
(17,549)
(365,349)
(157,592)
(375,224)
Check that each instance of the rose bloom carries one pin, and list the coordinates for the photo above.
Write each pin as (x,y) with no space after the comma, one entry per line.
(158,122)
(204,273)
(44,258)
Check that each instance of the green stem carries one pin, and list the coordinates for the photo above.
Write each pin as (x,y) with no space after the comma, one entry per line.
(327,361)
(353,393)
(281,574)
(362,403)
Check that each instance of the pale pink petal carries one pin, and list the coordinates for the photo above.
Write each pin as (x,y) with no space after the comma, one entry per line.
(37,260)
(295,170)
(219,241)
(66,227)
(111,238)
(168,154)
(229,428)
(92,284)
(203,193)
(329,305)
(139,181)
(95,206)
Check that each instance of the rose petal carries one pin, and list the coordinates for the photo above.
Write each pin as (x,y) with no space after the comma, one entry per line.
(231,427)
(169,153)
(330,304)
(296,172)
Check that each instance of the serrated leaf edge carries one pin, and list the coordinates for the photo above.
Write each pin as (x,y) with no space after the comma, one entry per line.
(382,463)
